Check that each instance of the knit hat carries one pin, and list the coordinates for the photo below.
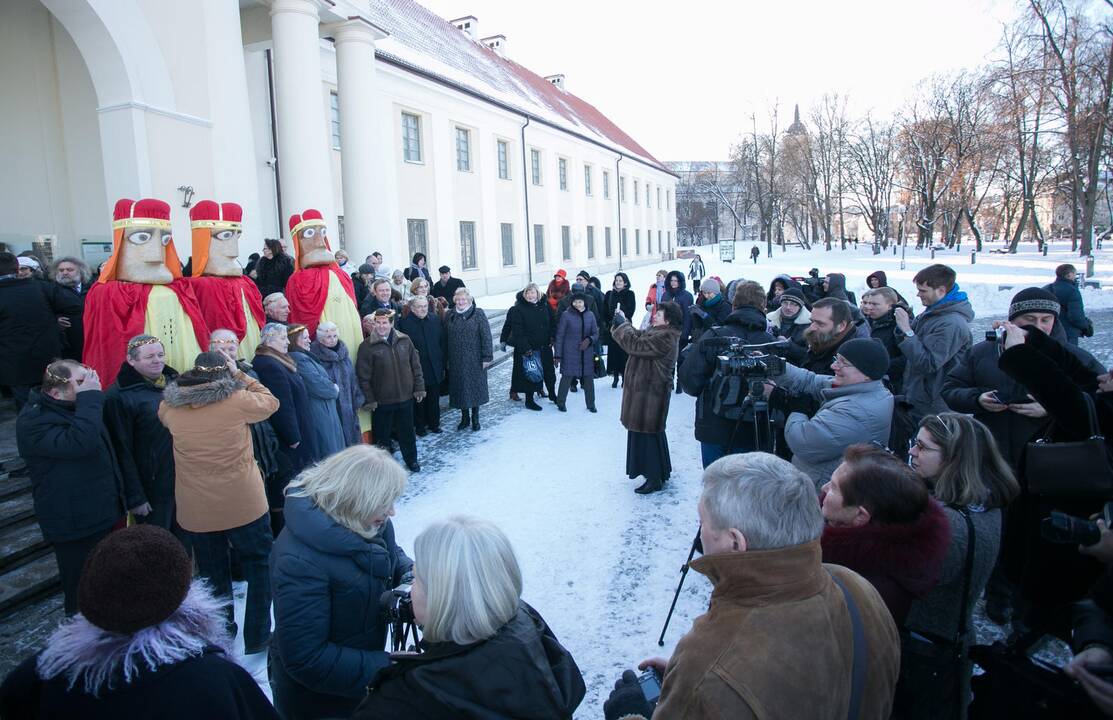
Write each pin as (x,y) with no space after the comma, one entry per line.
(868,355)
(584,274)
(366,269)
(134,578)
(711,284)
(28,262)
(1033,300)
(796,295)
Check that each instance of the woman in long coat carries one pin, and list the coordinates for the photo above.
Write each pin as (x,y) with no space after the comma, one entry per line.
(531,331)
(470,352)
(322,393)
(333,355)
(574,350)
(279,373)
(619,297)
(646,391)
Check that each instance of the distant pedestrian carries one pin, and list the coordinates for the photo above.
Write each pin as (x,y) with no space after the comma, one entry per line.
(574,350)
(558,288)
(696,271)
(1072,313)
(417,269)
(446,286)
(755,253)
(469,353)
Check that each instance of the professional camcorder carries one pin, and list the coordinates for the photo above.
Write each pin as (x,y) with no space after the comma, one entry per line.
(1066,529)
(735,358)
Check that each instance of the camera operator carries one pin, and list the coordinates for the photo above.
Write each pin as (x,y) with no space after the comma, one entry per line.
(856,407)
(719,435)
(780,636)
(486,654)
(330,565)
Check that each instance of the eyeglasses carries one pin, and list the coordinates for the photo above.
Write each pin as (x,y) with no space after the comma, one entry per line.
(919,445)
(840,363)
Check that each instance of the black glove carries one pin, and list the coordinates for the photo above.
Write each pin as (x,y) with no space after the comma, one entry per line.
(627,699)
(801,404)
(778,399)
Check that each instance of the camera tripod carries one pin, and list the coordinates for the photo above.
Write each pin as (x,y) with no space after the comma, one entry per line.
(402,631)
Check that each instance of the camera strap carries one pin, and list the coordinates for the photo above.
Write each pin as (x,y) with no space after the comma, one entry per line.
(858,667)
(968,573)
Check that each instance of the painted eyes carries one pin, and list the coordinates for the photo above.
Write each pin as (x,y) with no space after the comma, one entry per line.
(309,233)
(140,237)
(225,235)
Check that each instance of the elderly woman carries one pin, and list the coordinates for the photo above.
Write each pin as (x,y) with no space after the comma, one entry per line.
(418,287)
(574,351)
(332,562)
(469,353)
(277,308)
(322,392)
(426,331)
(486,652)
(331,352)
(279,372)
(532,325)
(645,392)
(958,458)
(398,286)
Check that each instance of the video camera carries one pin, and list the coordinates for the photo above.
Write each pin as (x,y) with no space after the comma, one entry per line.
(1064,529)
(736,358)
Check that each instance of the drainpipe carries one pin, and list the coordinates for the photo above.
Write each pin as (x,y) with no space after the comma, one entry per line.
(618,202)
(274,141)
(525,195)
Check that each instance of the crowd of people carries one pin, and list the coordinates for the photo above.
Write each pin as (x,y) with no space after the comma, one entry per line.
(867,478)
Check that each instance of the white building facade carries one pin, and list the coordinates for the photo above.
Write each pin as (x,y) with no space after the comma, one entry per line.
(410,133)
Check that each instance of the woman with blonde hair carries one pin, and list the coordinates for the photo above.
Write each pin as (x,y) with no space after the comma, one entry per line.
(532,325)
(485,652)
(334,559)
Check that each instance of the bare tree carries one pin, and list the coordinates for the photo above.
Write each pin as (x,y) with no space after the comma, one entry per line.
(757,158)
(871,154)
(924,144)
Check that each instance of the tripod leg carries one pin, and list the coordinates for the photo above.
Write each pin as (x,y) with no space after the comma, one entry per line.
(679,585)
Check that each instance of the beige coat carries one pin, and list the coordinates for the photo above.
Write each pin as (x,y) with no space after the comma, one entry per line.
(217,484)
(647,384)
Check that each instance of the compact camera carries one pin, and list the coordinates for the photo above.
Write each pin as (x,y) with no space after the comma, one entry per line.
(650,683)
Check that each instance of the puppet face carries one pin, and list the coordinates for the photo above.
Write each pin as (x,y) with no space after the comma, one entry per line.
(143,256)
(312,242)
(224,249)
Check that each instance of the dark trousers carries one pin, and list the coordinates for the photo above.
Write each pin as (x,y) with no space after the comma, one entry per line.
(71,556)
(589,389)
(399,418)
(427,413)
(252,543)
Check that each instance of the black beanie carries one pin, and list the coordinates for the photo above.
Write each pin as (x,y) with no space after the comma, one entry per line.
(134,578)
(584,274)
(868,355)
(1033,300)
(796,295)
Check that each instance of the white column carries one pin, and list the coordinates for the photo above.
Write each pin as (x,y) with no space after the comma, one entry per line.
(303,152)
(355,72)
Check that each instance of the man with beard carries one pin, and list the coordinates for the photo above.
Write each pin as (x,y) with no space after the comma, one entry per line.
(878,305)
(73,275)
(832,325)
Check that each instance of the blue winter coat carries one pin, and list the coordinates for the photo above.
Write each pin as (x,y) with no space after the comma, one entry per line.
(291,422)
(427,335)
(573,327)
(324,418)
(326,582)
(338,364)
(1072,314)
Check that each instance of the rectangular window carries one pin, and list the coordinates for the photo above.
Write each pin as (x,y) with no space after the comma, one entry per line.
(535,165)
(463,149)
(669,236)
(660,247)
(648,233)
(507,244)
(334,116)
(590,242)
(622,188)
(566,242)
(635,192)
(411,137)
(538,244)
(668,200)
(607,241)
(467,245)
(606,186)
(416,236)
(504,161)
(637,242)
(658,197)
(562,166)
(622,241)
(647,202)
(587,180)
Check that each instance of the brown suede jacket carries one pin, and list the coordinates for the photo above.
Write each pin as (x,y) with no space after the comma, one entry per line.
(389,371)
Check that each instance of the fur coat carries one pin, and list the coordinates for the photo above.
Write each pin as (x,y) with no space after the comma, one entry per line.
(647,387)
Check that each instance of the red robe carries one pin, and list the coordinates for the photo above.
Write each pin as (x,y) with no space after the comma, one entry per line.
(115,312)
(221,305)
(307,291)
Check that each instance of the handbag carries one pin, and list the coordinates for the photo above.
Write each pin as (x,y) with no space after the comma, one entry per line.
(600,367)
(1077,470)
(531,367)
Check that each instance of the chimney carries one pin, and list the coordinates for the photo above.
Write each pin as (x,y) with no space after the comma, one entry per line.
(496,43)
(557,80)
(469,24)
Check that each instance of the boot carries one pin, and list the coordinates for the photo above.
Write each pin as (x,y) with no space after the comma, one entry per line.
(474,419)
(649,486)
(552,393)
(575,385)
(531,403)
(614,383)
(591,408)
(464,419)
(514,396)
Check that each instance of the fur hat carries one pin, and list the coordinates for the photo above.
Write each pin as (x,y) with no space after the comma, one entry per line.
(1033,300)
(134,578)
(868,355)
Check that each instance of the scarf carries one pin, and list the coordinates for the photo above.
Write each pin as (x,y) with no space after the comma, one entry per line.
(283,358)
(953,296)
(159,382)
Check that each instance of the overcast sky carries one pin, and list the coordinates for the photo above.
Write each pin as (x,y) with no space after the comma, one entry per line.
(683,78)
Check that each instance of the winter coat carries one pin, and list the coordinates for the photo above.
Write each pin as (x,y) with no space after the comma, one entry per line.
(271,274)
(338,366)
(902,561)
(655,295)
(706,314)
(323,416)
(849,414)
(76,483)
(446,290)
(330,635)
(572,329)
(773,301)
(143,445)
(836,288)
(558,288)
(30,338)
(884,282)
(793,329)
(776,640)
(748,325)
(521,672)
(647,387)
(413,272)
(623,299)
(818,360)
(264,441)
(885,330)
(217,483)
(371,303)
(696,270)
(684,299)
(292,422)
(427,335)
(73,337)
(532,327)
(180,669)
(941,336)
(468,346)
(1072,314)
(389,369)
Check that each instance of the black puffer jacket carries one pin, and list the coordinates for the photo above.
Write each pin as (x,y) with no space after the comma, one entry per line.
(885,330)
(143,444)
(521,672)
(271,274)
(29,334)
(75,478)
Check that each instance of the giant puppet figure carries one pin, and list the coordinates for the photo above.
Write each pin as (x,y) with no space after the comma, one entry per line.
(319,290)
(140,291)
(227,298)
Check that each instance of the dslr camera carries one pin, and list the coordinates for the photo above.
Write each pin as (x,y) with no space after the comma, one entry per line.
(1066,529)
(735,358)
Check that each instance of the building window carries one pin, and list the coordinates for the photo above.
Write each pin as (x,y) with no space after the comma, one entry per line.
(539,243)
(334,116)
(463,149)
(535,165)
(622,242)
(668,201)
(411,137)
(606,185)
(637,239)
(622,188)
(658,197)
(416,235)
(590,242)
(467,245)
(562,165)
(660,248)
(648,233)
(507,244)
(647,202)
(504,162)
(607,241)
(566,242)
(668,235)
(587,180)
(635,192)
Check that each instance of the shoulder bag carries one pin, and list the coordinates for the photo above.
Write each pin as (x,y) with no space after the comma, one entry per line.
(1078,470)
